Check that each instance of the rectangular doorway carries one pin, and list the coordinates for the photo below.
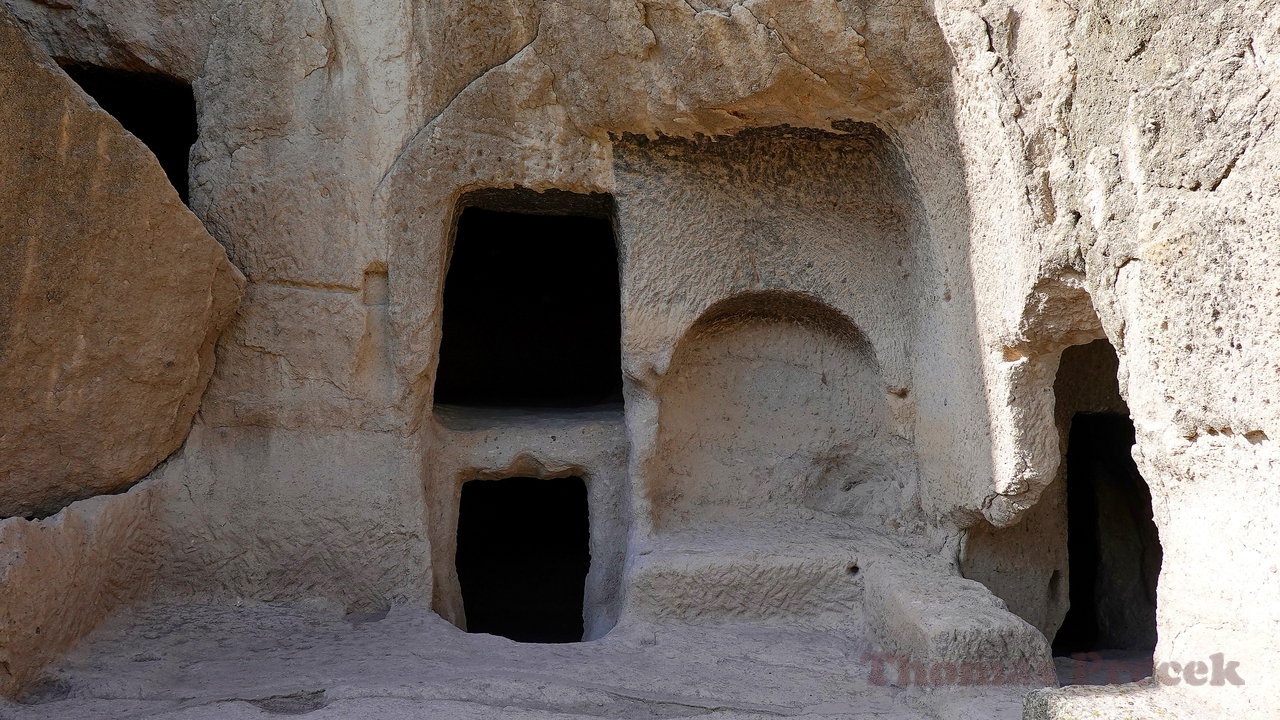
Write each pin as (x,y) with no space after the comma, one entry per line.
(522,558)
(532,312)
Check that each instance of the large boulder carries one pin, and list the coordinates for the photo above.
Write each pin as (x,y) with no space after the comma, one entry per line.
(113,294)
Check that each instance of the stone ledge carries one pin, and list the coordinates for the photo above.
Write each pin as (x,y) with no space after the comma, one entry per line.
(1145,700)
(935,618)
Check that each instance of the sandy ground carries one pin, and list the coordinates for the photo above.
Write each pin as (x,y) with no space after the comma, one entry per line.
(207,661)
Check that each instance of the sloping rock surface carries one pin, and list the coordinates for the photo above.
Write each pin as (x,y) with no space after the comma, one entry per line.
(112,296)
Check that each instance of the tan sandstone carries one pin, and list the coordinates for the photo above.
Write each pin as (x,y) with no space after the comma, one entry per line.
(862,250)
(113,295)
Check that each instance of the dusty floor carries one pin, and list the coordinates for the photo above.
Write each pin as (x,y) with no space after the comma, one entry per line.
(264,661)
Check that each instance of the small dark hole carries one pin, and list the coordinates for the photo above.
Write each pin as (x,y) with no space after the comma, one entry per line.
(159,110)
(299,703)
(852,568)
(47,689)
(371,616)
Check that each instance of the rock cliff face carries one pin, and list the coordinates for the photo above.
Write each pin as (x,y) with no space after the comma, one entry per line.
(114,295)
(861,248)
(113,299)
(1145,133)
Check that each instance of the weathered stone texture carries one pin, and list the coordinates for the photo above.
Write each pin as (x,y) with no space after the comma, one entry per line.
(278,515)
(974,185)
(1146,137)
(113,295)
(61,576)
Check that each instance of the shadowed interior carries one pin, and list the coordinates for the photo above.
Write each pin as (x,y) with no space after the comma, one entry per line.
(1113,545)
(159,110)
(523,556)
(532,313)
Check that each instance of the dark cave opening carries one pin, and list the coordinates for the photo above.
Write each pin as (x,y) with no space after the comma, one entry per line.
(159,110)
(1112,541)
(532,310)
(522,557)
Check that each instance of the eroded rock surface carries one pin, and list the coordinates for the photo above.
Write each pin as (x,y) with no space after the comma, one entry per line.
(113,295)
(61,576)
(1037,175)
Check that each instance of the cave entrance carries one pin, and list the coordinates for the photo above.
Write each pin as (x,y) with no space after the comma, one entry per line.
(522,558)
(157,109)
(1113,546)
(532,309)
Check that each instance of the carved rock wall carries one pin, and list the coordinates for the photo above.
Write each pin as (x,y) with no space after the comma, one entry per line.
(114,295)
(1069,172)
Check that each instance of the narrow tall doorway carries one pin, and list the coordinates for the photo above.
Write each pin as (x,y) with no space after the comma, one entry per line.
(1113,545)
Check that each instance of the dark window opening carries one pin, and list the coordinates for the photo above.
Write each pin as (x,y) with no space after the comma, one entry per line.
(523,555)
(532,312)
(159,110)
(1113,546)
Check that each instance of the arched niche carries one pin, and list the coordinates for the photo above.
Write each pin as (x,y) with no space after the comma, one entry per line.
(772,401)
